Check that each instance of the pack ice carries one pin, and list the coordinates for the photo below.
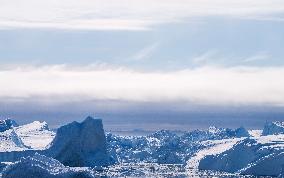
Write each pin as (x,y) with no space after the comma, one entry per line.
(81,149)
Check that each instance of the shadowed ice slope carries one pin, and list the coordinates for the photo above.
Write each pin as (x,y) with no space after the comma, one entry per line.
(273,128)
(261,155)
(39,166)
(80,144)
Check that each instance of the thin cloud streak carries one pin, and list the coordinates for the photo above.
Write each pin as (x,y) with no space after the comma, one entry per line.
(208,85)
(145,52)
(258,57)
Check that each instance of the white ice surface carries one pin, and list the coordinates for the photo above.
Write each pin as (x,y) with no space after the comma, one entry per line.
(35,135)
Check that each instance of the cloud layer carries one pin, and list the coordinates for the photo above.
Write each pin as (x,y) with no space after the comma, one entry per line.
(208,85)
(127,14)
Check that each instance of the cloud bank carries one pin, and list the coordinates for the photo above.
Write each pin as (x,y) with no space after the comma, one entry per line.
(127,14)
(208,85)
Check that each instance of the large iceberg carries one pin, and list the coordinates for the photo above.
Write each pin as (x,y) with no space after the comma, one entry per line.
(80,144)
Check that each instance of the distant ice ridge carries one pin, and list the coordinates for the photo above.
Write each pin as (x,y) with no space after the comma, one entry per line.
(166,147)
(272,128)
(39,166)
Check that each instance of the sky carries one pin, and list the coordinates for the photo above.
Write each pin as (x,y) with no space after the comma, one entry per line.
(143,58)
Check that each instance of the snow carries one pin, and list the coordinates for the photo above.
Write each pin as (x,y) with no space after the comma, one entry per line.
(9,141)
(255,133)
(212,147)
(35,135)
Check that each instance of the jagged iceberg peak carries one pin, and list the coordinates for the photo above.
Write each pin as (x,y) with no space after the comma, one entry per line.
(36,126)
(80,144)
(7,124)
(273,128)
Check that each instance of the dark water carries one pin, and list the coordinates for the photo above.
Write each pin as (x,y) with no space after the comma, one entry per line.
(143,117)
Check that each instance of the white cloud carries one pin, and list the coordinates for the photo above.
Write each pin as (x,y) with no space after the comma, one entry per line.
(126,14)
(201,85)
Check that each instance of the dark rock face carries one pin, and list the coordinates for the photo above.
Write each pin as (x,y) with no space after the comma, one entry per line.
(80,144)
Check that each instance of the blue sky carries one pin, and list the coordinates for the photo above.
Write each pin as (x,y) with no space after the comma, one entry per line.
(205,41)
(180,53)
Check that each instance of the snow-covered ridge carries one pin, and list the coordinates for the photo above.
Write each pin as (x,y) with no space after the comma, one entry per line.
(35,135)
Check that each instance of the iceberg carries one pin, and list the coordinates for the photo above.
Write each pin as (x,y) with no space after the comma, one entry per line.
(35,135)
(44,167)
(273,128)
(80,144)
(255,155)
(10,141)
